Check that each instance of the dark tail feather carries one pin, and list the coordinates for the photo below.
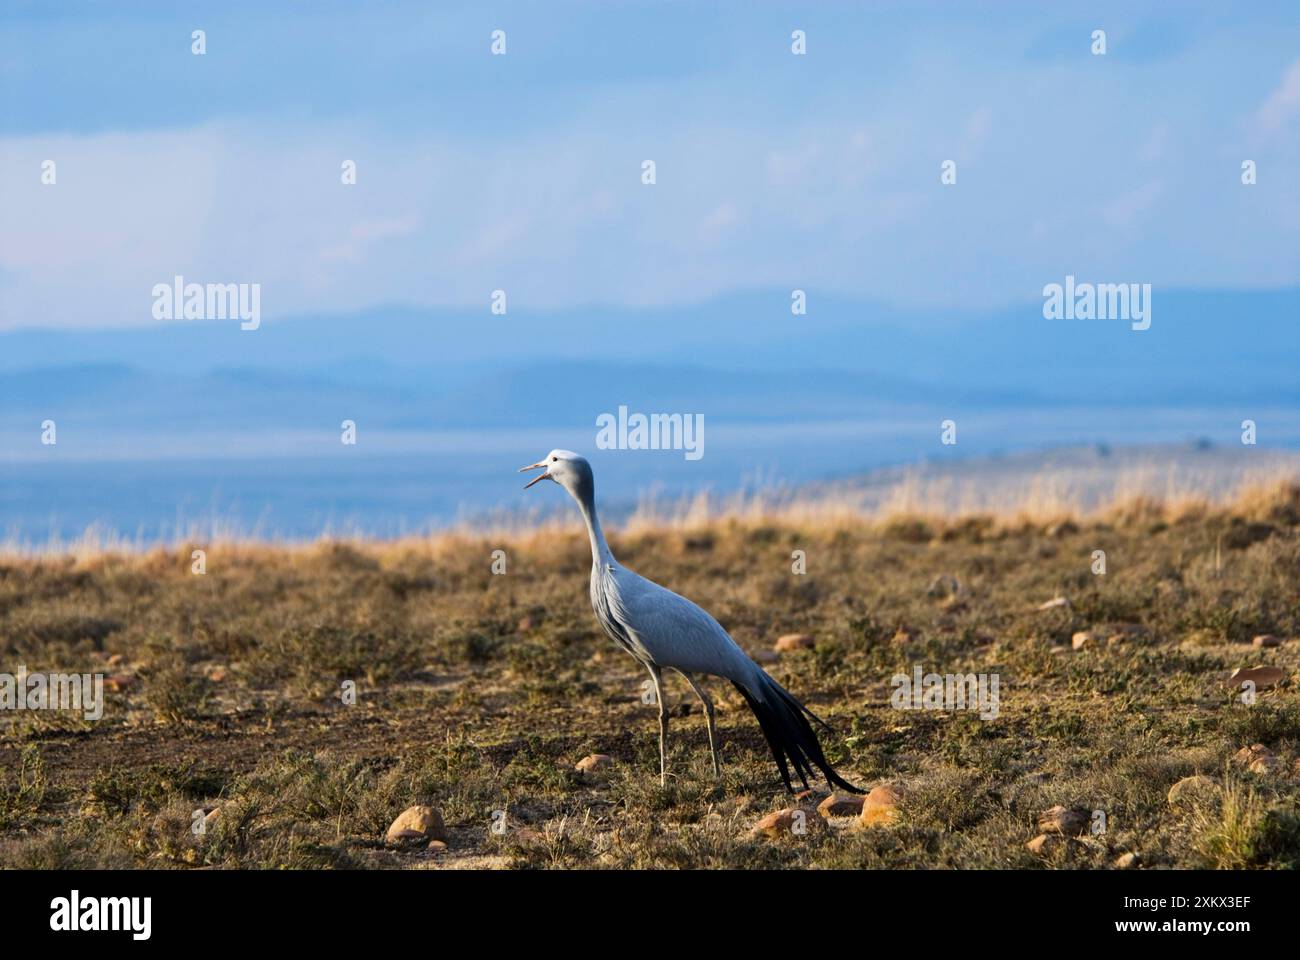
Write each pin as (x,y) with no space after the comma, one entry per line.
(793,741)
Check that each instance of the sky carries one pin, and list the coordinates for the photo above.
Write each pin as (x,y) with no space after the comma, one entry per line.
(523,172)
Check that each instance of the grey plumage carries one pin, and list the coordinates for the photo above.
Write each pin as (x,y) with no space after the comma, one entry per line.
(665,631)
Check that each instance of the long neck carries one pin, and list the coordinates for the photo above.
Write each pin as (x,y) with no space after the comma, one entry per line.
(600,552)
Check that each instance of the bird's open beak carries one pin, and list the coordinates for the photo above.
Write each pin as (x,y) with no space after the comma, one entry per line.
(541,476)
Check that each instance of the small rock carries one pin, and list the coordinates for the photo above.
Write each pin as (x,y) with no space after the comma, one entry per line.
(944,585)
(841,805)
(1263,677)
(116,660)
(766,656)
(808,796)
(218,674)
(593,762)
(880,806)
(1248,755)
(437,845)
(1256,758)
(1045,844)
(1127,861)
(417,823)
(1266,640)
(1067,821)
(210,818)
(1192,791)
(792,821)
(1081,639)
(794,641)
(1055,603)
(119,682)
(526,625)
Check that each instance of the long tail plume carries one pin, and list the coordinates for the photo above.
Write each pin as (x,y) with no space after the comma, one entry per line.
(784,721)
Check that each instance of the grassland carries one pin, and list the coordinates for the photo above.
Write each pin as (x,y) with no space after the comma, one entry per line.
(477,693)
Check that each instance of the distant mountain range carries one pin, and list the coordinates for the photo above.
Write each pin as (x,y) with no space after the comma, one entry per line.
(741,357)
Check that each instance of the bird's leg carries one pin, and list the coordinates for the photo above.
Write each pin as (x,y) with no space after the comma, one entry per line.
(708,716)
(657,677)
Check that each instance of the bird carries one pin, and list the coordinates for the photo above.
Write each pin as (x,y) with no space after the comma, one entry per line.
(663,630)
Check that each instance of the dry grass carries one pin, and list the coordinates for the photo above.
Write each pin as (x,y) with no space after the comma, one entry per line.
(477,693)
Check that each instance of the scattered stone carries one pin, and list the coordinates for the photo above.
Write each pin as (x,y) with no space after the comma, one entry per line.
(1112,634)
(1263,677)
(808,796)
(1067,821)
(792,821)
(437,846)
(116,660)
(526,625)
(766,656)
(593,762)
(1045,844)
(218,674)
(1127,861)
(841,805)
(119,682)
(1266,640)
(1248,755)
(417,823)
(1192,791)
(944,585)
(210,818)
(794,641)
(1056,603)
(881,806)
(1256,758)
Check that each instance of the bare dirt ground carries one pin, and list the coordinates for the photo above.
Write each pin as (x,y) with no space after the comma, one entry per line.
(477,693)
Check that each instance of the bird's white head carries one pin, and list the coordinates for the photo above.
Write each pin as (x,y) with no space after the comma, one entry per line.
(569,470)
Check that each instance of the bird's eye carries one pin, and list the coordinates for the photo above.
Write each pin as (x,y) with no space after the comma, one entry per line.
(554,459)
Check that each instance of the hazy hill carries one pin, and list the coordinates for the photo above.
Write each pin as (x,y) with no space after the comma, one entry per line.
(742,357)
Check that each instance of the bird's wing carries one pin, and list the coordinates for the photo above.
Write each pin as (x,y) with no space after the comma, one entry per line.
(673,631)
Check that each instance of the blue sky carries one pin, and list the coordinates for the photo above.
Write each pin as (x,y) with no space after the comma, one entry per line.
(522,172)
